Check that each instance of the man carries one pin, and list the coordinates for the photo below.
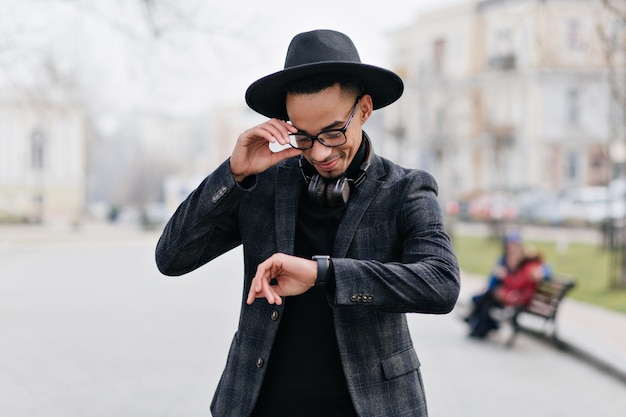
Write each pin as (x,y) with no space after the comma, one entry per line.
(338,245)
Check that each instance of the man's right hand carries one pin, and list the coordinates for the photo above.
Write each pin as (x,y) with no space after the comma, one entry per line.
(252,154)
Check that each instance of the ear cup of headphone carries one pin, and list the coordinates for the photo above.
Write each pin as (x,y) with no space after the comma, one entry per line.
(317,190)
(338,192)
(329,194)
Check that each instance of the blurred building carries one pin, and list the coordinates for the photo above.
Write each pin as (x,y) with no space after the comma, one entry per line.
(42,160)
(224,124)
(505,94)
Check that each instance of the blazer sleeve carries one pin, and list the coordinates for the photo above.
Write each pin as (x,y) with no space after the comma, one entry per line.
(203,227)
(401,259)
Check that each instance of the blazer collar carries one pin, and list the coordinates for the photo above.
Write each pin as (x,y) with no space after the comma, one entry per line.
(289,185)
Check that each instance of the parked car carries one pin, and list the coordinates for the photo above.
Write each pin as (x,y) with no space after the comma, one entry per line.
(539,207)
(493,206)
(592,205)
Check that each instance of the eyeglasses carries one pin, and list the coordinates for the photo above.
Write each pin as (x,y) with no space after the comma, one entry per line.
(330,138)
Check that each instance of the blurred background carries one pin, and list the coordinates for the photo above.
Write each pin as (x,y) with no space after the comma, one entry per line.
(114,110)
(117,107)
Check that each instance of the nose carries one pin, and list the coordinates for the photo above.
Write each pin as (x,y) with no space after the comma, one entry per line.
(320,152)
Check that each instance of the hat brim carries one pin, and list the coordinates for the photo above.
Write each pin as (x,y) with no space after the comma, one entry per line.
(267,95)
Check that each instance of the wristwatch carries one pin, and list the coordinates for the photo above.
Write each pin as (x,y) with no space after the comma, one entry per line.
(323,263)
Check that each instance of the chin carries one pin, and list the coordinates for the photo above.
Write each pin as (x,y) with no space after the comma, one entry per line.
(331,175)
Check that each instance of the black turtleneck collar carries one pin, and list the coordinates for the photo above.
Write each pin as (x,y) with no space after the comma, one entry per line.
(359,158)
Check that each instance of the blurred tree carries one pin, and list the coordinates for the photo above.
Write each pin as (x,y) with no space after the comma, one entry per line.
(118,59)
(611,29)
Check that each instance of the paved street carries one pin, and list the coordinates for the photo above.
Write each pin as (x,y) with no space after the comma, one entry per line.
(89,328)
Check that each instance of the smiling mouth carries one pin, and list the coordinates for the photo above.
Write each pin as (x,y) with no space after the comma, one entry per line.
(327,166)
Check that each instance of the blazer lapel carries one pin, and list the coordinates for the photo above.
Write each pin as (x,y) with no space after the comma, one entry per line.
(358,204)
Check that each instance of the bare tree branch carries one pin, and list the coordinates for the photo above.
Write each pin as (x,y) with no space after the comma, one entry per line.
(609,51)
(615,10)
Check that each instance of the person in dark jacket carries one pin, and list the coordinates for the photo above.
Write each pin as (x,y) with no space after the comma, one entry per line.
(338,243)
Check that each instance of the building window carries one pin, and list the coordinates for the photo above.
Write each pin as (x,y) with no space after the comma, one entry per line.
(618,35)
(503,43)
(571,167)
(502,55)
(573,106)
(440,121)
(439,49)
(574,34)
(37,154)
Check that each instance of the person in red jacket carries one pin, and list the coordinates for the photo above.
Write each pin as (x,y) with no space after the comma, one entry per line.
(517,279)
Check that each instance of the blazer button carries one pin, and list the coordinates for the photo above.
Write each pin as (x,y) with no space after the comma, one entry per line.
(219,194)
(259,362)
(275,315)
(354,298)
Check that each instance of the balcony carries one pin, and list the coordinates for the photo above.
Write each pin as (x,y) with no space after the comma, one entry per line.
(502,62)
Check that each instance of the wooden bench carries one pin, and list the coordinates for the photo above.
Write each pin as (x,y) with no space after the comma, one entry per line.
(545,304)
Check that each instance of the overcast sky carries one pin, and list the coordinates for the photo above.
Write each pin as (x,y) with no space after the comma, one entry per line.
(365,22)
(206,51)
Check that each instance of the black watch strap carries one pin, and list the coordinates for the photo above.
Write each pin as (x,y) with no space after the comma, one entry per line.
(323,264)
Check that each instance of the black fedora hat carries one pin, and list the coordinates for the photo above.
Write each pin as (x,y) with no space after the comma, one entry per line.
(318,52)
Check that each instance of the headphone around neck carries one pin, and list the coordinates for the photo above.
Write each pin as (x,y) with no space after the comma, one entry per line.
(335,192)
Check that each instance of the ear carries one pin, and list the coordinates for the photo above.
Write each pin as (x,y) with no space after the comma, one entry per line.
(366,107)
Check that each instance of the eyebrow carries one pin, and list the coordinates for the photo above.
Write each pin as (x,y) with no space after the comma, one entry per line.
(338,124)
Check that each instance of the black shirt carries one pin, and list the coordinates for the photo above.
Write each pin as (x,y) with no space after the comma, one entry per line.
(304,375)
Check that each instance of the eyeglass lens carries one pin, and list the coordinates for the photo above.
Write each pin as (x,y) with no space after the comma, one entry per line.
(329,138)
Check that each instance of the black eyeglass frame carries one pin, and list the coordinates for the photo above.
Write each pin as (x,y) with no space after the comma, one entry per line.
(317,138)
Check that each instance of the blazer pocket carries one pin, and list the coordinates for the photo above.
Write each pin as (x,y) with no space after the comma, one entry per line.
(400,363)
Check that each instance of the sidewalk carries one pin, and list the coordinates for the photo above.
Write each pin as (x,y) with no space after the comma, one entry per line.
(592,333)
(595,334)
(20,234)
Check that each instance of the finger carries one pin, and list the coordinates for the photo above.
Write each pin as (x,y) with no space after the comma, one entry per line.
(285,154)
(252,295)
(277,134)
(252,137)
(272,295)
(262,289)
(280,130)
(282,125)
(257,284)
(268,291)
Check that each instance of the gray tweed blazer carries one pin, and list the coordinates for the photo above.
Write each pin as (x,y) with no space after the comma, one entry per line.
(391,257)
